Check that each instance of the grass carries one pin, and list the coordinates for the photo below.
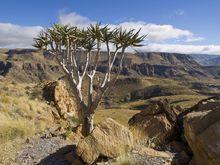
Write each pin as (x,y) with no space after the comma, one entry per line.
(185,101)
(120,115)
(123,160)
(21,116)
(20,106)
(18,110)
(11,129)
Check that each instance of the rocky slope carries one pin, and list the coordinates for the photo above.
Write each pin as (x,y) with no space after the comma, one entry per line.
(206,59)
(193,132)
(31,65)
(26,65)
(169,65)
(202,131)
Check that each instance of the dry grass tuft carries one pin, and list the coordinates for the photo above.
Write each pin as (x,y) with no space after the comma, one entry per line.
(120,115)
(15,128)
(20,115)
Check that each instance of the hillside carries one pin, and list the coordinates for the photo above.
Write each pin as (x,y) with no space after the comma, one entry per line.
(146,77)
(33,66)
(206,59)
(27,66)
(213,61)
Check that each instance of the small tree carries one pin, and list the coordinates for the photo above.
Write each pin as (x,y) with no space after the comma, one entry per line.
(64,42)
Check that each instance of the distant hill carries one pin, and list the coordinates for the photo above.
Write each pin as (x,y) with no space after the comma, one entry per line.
(213,62)
(27,65)
(168,65)
(31,65)
(207,60)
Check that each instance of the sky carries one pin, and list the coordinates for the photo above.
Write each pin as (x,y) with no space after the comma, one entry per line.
(181,26)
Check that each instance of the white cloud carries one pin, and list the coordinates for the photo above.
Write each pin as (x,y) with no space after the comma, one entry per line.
(185,49)
(179,12)
(155,32)
(16,36)
(74,19)
(194,39)
(158,32)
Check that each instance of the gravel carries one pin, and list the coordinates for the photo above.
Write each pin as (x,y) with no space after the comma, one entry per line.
(44,151)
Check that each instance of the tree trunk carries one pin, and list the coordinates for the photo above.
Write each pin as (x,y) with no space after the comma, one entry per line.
(88,124)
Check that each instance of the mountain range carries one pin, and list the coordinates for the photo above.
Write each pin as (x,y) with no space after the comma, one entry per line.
(207,59)
(31,65)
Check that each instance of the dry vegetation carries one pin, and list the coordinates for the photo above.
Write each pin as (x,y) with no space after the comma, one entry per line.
(21,115)
(23,112)
(20,105)
(120,115)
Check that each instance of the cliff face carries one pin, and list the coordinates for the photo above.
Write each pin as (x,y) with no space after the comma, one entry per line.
(30,65)
(168,65)
(207,59)
(4,67)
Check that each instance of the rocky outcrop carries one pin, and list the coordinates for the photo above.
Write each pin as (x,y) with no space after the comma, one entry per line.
(108,139)
(56,93)
(4,67)
(157,123)
(154,64)
(76,135)
(202,131)
(148,92)
(155,70)
(128,80)
(27,65)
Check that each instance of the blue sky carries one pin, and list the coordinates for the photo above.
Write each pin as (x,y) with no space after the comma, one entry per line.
(185,26)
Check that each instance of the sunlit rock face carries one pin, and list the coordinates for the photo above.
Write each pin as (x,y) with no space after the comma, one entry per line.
(202,131)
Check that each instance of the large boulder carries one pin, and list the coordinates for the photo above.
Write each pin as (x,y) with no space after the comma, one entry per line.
(57,93)
(108,139)
(157,123)
(202,131)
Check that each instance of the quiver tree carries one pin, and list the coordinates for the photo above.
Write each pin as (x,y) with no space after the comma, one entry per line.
(64,42)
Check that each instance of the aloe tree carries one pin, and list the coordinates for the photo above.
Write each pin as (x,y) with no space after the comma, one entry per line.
(64,42)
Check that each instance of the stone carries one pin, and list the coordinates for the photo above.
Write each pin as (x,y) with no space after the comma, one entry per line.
(202,131)
(151,152)
(157,123)
(181,158)
(108,139)
(142,155)
(72,158)
(57,94)
(177,146)
(76,135)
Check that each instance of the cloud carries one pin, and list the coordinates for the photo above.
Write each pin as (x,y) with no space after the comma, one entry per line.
(194,39)
(185,49)
(179,12)
(16,36)
(156,33)
(74,19)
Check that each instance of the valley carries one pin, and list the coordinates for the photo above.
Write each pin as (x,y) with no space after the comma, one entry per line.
(145,78)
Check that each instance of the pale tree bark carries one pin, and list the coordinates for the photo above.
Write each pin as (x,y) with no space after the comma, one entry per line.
(68,63)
